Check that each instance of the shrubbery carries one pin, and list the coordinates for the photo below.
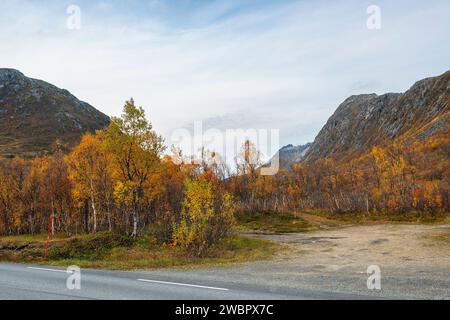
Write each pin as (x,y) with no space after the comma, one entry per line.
(201,225)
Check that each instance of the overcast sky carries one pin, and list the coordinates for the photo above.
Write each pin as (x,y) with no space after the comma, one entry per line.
(233,64)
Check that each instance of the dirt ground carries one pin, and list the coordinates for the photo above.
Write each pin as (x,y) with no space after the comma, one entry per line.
(413,264)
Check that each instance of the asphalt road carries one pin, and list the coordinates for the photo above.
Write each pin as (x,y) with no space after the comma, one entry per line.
(30,282)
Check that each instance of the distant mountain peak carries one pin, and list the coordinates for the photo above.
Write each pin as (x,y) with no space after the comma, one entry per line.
(291,154)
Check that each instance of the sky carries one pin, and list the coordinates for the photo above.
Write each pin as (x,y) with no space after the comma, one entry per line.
(283,65)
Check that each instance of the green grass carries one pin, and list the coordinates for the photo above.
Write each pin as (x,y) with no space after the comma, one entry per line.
(38,237)
(115,252)
(275,223)
(443,237)
(291,223)
(383,217)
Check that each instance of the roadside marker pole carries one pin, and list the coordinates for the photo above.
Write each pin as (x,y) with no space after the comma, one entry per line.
(49,232)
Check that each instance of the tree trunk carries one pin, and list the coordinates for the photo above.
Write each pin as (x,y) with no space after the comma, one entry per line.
(336,203)
(94,210)
(367,204)
(86,216)
(5,219)
(135,214)
(135,223)
(6,222)
(109,217)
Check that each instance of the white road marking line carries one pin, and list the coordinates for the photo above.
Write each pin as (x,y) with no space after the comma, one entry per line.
(182,284)
(45,269)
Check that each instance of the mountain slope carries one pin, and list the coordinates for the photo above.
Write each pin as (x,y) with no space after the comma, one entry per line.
(363,121)
(290,154)
(34,114)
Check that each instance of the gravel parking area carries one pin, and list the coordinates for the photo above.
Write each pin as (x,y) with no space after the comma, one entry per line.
(414,265)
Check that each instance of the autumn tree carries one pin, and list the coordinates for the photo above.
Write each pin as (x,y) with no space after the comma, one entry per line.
(135,150)
(5,201)
(88,170)
(57,193)
(248,159)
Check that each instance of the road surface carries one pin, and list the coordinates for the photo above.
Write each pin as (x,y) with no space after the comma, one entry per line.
(326,264)
(31,282)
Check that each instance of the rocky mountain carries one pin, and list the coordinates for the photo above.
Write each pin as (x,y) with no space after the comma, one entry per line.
(291,154)
(34,114)
(363,121)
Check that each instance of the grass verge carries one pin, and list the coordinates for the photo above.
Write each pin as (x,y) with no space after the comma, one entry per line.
(115,252)
(412,217)
(275,223)
(441,238)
